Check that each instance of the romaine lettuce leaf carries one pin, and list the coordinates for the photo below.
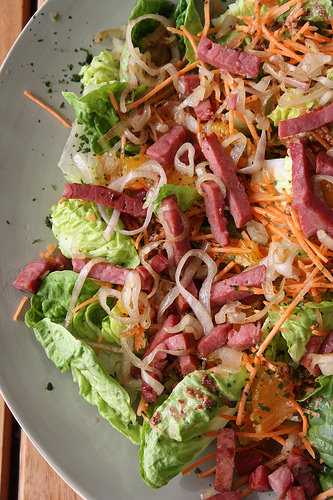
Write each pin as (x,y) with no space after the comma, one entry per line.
(162,7)
(186,196)
(95,112)
(79,228)
(321,421)
(296,330)
(95,385)
(326,479)
(177,433)
(318,11)
(52,299)
(279,113)
(104,68)
(187,15)
(112,327)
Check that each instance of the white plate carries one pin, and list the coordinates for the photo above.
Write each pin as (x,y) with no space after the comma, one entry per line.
(93,458)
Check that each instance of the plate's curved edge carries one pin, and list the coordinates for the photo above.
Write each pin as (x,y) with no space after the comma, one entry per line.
(11,405)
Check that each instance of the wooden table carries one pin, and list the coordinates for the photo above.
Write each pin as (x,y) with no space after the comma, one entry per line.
(24,474)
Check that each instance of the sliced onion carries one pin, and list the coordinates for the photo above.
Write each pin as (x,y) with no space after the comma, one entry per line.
(103,213)
(230,313)
(326,98)
(203,176)
(257,232)
(239,147)
(326,82)
(123,101)
(137,362)
(81,162)
(83,275)
(262,85)
(201,306)
(154,384)
(259,158)
(324,361)
(112,224)
(180,166)
(103,294)
(325,239)
(312,64)
(142,254)
(188,324)
(135,52)
(139,120)
(134,139)
(130,295)
(231,360)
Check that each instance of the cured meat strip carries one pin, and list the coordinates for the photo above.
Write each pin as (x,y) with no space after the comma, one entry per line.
(307,122)
(225,460)
(204,110)
(162,334)
(226,290)
(110,273)
(312,212)
(313,346)
(247,336)
(247,463)
(223,166)
(214,203)
(324,164)
(166,147)
(214,340)
(173,219)
(227,495)
(281,480)
(258,480)
(159,263)
(30,277)
(188,363)
(303,473)
(106,197)
(188,83)
(296,493)
(235,61)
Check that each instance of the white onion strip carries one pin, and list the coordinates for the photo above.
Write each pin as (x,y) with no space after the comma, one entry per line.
(142,254)
(201,307)
(103,294)
(112,224)
(154,384)
(188,324)
(180,166)
(259,158)
(325,239)
(83,275)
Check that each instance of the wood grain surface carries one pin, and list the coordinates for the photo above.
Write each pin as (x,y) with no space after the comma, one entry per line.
(37,480)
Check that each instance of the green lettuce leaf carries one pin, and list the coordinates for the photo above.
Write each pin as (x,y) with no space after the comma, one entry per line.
(321,421)
(104,68)
(186,196)
(112,327)
(143,7)
(326,479)
(296,330)
(177,433)
(95,385)
(95,112)
(187,15)
(53,297)
(79,229)
(279,113)
(318,11)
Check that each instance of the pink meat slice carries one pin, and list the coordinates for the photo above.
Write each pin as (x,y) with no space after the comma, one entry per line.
(312,212)
(307,122)
(235,61)
(248,462)
(324,164)
(106,197)
(111,273)
(223,166)
(327,345)
(281,480)
(162,335)
(258,480)
(214,340)
(227,495)
(312,347)
(159,263)
(204,110)
(225,291)
(165,148)
(188,83)
(188,363)
(247,336)
(296,493)
(214,203)
(225,460)
(30,277)
(179,342)
(174,219)
(302,471)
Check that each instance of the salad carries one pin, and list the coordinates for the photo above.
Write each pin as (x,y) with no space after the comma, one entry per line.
(190,290)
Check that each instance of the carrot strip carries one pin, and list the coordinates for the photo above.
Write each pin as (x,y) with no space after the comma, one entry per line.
(308,447)
(299,410)
(200,461)
(142,407)
(207,473)
(225,270)
(288,312)
(20,308)
(269,435)
(50,249)
(49,109)
(280,45)
(161,86)
(85,303)
(207,19)
(185,33)
(300,32)
(325,494)
(246,391)
(114,102)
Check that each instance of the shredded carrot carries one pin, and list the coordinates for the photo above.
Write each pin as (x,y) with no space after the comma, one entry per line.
(246,390)
(50,249)
(114,102)
(277,11)
(280,45)
(300,32)
(200,461)
(229,250)
(138,240)
(225,270)
(142,407)
(207,19)
(250,126)
(268,435)
(297,46)
(279,440)
(276,460)
(325,494)
(299,410)
(228,417)
(185,33)
(206,473)
(316,250)
(49,109)
(308,447)
(288,312)
(85,303)
(161,86)
(20,308)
